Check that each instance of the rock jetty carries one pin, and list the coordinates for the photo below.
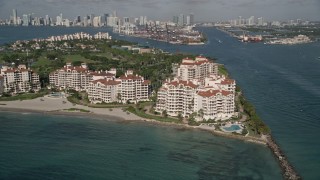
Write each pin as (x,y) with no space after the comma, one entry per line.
(288,171)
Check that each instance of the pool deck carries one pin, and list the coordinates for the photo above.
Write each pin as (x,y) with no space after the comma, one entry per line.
(229,125)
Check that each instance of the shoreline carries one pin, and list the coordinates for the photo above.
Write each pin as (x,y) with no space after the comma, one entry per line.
(159,40)
(107,117)
(117,114)
(49,106)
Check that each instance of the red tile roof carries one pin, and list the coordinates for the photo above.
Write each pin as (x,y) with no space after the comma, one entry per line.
(227,81)
(185,83)
(130,76)
(9,71)
(106,82)
(208,93)
(146,82)
(226,93)
(211,93)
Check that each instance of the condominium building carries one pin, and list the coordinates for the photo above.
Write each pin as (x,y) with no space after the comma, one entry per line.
(102,86)
(103,90)
(214,104)
(199,68)
(127,88)
(19,80)
(134,88)
(77,77)
(176,97)
(197,88)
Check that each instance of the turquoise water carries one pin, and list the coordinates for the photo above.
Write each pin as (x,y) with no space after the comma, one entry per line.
(35,146)
(281,81)
(232,128)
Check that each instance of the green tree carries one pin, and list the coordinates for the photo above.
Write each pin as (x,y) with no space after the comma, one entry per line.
(164,113)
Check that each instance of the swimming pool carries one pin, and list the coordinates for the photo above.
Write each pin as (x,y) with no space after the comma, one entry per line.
(232,128)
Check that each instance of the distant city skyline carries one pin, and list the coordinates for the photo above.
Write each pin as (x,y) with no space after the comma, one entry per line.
(205,10)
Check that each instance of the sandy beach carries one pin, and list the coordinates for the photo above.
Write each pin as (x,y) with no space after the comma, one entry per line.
(57,105)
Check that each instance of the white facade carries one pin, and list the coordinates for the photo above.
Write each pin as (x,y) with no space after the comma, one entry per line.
(199,68)
(77,77)
(19,80)
(214,104)
(103,91)
(133,88)
(127,88)
(197,88)
(176,97)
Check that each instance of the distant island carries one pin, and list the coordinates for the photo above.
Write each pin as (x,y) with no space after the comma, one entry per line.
(165,32)
(122,80)
(285,33)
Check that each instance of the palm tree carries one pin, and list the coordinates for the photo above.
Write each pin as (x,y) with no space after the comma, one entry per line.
(200,113)
(164,113)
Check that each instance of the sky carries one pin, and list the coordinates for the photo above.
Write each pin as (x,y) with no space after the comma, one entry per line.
(204,10)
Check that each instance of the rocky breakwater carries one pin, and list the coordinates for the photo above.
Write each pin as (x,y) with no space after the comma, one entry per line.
(288,170)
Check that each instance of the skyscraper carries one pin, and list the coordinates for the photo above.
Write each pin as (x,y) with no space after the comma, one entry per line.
(58,21)
(96,21)
(181,20)
(85,21)
(105,19)
(126,19)
(260,21)
(78,19)
(25,20)
(141,21)
(14,11)
(251,21)
(190,19)
(175,19)
(240,21)
(47,21)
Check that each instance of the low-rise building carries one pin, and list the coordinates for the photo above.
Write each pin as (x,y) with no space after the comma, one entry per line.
(19,80)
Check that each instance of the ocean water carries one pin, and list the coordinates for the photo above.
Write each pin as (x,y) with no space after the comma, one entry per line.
(281,81)
(37,146)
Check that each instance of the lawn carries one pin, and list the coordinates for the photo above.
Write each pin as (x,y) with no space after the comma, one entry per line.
(42,61)
(107,55)
(77,57)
